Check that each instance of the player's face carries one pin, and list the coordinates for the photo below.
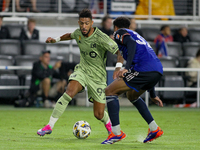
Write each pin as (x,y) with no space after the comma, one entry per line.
(85,25)
(45,58)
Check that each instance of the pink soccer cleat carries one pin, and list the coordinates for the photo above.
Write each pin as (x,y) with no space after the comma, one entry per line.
(46,130)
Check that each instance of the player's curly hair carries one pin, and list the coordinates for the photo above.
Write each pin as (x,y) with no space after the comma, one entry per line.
(85,13)
(122,22)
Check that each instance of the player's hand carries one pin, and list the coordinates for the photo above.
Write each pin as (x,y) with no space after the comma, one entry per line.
(50,40)
(122,72)
(116,73)
(157,101)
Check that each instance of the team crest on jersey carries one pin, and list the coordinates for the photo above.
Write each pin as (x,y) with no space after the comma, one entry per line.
(93,54)
(79,39)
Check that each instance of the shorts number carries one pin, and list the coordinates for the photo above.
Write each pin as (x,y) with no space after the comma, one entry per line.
(100,91)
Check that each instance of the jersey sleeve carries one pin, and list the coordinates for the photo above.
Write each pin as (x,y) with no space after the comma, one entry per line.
(109,44)
(73,35)
(119,36)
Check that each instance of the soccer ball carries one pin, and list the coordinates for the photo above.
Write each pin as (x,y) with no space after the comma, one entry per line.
(81,129)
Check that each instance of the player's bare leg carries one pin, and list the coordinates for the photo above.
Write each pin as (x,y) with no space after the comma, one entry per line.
(72,89)
(117,87)
(102,115)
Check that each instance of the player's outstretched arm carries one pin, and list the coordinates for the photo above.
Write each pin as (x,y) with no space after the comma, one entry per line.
(64,37)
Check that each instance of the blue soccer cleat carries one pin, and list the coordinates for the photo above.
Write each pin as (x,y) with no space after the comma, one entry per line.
(46,130)
(153,135)
(112,138)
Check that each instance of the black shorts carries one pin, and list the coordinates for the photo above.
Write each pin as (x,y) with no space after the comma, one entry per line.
(141,80)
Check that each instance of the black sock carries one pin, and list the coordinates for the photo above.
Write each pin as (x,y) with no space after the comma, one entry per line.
(113,109)
(143,110)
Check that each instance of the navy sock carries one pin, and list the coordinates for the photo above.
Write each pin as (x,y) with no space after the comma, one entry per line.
(113,109)
(143,110)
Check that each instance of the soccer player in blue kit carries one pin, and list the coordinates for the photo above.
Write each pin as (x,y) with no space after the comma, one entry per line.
(142,72)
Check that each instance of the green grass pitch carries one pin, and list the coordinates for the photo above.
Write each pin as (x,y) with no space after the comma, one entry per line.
(18,129)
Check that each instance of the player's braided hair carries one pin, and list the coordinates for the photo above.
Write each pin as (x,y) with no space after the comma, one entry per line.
(122,22)
(85,13)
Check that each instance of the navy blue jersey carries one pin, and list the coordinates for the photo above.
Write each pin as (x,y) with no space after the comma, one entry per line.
(144,59)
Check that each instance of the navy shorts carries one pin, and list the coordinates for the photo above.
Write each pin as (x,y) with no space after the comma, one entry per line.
(141,80)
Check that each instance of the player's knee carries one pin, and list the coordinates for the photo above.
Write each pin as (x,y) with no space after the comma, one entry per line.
(98,115)
(108,92)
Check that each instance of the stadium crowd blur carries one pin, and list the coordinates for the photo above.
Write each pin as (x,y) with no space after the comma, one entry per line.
(42,74)
(193,63)
(42,83)
(169,43)
(6,7)
(4,32)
